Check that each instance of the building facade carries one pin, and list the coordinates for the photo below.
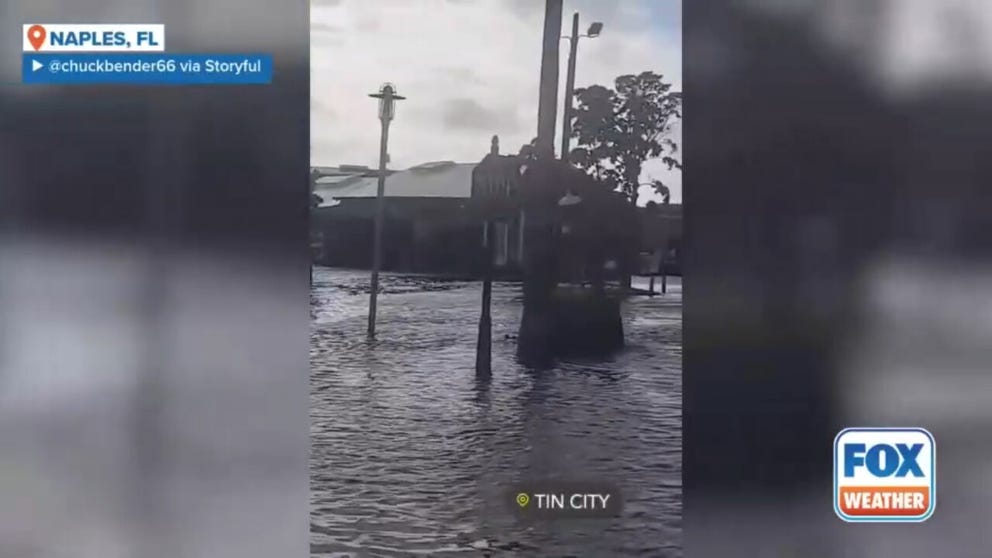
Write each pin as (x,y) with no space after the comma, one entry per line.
(433,223)
(429,226)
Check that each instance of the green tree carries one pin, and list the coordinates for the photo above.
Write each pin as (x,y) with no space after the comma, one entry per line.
(617,130)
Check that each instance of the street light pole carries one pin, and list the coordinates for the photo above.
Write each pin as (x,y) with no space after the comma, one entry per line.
(573,43)
(566,126)
(387,96)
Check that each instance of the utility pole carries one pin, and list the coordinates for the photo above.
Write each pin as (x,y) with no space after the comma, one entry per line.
(387,109)
(547,108)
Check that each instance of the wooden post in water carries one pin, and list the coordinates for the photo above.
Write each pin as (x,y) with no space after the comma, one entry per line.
(379,218)
(484,346)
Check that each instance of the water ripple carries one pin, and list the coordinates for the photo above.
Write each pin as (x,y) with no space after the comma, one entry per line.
(411,455)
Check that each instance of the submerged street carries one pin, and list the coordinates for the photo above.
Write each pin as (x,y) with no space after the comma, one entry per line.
(412,456)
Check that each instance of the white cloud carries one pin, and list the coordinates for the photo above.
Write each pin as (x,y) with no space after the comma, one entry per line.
(469,69)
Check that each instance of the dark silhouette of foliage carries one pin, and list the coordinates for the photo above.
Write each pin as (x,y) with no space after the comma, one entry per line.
(315,200)
(618,129)
(659,186)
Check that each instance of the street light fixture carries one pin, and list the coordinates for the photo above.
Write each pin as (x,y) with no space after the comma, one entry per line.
(569,199)
(386,95)
(594,30)
(387,111)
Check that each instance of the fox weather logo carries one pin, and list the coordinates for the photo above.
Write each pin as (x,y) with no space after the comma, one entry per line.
(885,474)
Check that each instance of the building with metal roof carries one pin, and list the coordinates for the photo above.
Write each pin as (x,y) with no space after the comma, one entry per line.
(443,179)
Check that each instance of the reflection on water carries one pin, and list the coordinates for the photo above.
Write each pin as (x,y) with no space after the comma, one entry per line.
(412,456)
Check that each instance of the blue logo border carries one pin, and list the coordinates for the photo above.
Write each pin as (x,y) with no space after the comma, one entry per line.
(887,519)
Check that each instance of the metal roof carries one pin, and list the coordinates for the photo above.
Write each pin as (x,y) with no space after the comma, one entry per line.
(444,179)
(342,170)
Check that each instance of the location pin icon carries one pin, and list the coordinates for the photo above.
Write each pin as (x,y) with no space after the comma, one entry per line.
(36,36)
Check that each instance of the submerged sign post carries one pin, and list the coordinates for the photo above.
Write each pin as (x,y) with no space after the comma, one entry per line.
(131,53)
(885,474)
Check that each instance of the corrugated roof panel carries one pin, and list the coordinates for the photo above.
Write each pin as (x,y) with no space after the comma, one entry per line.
(434,180)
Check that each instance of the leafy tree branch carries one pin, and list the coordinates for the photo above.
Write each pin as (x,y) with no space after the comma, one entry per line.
(617,130)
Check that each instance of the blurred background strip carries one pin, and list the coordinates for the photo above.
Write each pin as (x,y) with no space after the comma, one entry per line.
(838,239)
(153,287)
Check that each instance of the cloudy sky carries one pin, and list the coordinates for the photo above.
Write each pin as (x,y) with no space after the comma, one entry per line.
(469,68)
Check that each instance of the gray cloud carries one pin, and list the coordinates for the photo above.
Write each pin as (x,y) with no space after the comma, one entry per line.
(462,75)
(326,35)
(596,10)
(590,10)
(469,114)
(322,27)
(368,24)
(326,113)
(526,8)
(323,34)
(326,40)
(602,54)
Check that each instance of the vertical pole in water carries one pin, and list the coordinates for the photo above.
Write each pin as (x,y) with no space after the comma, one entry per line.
(664,279)
(379,218)
(387,108)
(483,349)
(651,285)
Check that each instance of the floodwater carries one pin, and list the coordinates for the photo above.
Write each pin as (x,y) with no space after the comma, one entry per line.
(412,456)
